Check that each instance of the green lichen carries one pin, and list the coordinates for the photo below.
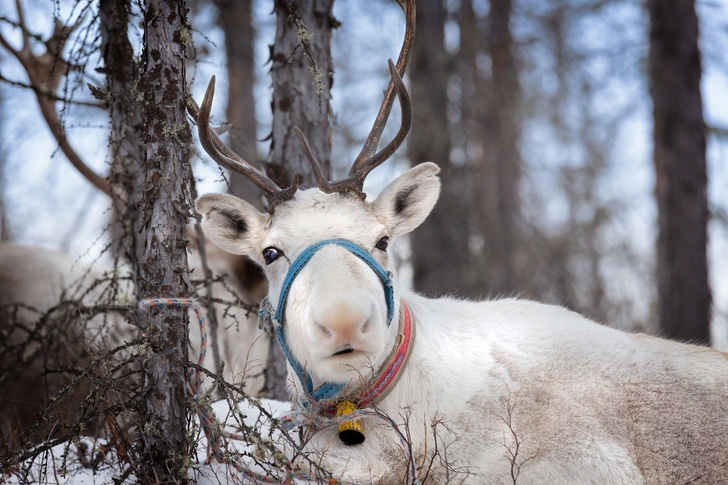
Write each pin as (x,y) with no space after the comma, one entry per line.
(318,77)
(149,429)
(145,350)
(185,36)
(185,466)
(174,132)
(304,36)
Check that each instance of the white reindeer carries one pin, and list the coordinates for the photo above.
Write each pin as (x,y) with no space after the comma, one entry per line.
(511,390)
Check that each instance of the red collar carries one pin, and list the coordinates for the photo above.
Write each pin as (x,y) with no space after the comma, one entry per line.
(385,379)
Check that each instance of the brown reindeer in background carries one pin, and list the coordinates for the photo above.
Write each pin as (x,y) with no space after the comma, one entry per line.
(53,310)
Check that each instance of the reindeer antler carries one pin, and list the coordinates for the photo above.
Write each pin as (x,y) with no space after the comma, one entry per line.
(229,159)
(45,73)
(367,160)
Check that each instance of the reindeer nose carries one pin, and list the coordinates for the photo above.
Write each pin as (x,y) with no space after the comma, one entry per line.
(342,320)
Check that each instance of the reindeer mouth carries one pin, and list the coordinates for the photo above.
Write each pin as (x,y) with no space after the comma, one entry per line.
(346,349)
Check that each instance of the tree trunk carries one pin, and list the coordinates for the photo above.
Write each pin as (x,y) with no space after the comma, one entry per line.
(680,167)
(501,131)
(302,74)
(439,248)
(126,114)
(4,224)
(476,278)
(235,19)
(164,206)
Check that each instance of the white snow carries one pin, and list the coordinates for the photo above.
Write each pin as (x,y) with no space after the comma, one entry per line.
(51,468)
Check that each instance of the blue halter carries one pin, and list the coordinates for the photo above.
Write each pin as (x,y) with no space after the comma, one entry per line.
(328,389)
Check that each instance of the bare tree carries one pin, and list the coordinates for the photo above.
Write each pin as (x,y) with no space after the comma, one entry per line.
(473,226)
(235,17)
(471,136)
(126,147)
(501,132)
(149,143)
(440,250)
(680,167)
(4,224)
(163,206)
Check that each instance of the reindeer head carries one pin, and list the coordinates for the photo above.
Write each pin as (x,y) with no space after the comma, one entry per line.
(336,306)
(336,313)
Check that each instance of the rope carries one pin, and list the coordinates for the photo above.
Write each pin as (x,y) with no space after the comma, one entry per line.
(216,436)
(327,390)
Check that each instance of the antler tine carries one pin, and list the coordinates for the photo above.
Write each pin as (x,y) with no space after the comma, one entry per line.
(360,171)
(351,184)
(375,135)
(321,181)
(355,182)
(194,110)
(230,160)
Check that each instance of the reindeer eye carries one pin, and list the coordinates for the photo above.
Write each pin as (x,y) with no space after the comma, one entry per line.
(383,243)
(271,254)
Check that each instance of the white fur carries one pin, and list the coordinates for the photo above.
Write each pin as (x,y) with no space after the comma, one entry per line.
(580,402)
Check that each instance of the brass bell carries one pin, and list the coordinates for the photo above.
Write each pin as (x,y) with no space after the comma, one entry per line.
(350,432)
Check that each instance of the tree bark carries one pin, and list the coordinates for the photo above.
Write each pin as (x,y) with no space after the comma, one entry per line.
(439,248)
(302,75)
(164,206)
(680,168)
(126,114)
(302,72)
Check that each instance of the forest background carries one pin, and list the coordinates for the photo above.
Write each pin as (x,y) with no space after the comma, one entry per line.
(549,174)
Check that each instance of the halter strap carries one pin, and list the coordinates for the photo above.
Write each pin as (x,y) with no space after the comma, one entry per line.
(328,389)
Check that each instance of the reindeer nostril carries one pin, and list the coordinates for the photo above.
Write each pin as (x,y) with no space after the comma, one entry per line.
(365,326)
(323,330)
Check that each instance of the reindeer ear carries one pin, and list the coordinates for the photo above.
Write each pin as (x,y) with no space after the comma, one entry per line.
(231,223)
(406,202)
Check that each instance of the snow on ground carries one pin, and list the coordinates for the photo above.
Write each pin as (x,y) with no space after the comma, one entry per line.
(62,464)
